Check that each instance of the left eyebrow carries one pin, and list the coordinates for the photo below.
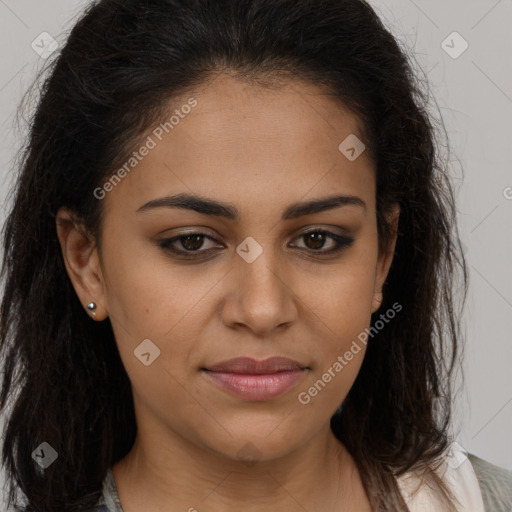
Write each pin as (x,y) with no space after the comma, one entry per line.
(216,208)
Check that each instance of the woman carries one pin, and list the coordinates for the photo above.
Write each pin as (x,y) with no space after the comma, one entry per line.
(229,271)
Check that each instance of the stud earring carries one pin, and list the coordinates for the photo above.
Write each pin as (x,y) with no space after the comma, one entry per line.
(91,307)
(379,298)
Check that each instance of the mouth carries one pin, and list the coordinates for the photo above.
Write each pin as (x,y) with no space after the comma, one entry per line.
(256,380)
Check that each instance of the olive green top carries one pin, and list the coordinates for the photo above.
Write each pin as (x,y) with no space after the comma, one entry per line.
(495,484)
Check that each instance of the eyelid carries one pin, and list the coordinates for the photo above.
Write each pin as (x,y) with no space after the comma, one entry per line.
(193,230)
(175,238)
(342,241)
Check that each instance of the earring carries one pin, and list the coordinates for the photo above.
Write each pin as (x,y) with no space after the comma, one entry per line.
(91,307)
(379,298)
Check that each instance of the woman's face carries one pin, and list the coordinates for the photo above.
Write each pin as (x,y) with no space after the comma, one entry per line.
(268,167)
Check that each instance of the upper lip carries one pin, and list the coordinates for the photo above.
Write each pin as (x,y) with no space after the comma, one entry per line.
(253,366)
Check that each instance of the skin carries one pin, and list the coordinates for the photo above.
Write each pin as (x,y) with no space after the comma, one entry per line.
(259,150)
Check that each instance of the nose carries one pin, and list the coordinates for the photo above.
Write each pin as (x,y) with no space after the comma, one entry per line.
(260,298)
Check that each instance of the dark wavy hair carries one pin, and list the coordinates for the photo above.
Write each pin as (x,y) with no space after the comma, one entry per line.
(123,62)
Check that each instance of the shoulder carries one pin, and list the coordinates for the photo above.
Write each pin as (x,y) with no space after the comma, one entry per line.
(474,484)
(100,507)
(108,502)
(495,484)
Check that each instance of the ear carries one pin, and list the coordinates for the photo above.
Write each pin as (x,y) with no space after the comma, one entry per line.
(386,257)
(82,262)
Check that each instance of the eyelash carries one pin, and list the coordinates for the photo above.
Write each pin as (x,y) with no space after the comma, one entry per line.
(342,242)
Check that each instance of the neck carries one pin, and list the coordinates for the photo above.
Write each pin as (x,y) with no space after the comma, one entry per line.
(165,471)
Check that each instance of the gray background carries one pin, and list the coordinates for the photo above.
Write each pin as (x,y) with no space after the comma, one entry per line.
(474,96)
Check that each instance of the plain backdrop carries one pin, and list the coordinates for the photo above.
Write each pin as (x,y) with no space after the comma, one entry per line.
(473,90)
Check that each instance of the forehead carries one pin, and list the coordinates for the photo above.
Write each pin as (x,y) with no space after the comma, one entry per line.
(240,142)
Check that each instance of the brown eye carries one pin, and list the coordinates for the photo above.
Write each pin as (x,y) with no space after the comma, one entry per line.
(316,240)
(186,245)
(192,242)
(191,245)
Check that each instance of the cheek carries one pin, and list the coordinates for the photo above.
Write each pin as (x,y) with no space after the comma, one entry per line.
(341,296)
(337,312)
(326,389)
(146,294)
(150,299)
(338,321)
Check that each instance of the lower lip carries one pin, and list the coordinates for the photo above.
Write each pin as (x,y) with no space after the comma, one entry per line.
(256,387)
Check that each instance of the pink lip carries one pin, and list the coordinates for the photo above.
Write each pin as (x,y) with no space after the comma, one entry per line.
(256,380)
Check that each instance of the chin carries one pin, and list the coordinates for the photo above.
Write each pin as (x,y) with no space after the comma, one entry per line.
(252,445)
